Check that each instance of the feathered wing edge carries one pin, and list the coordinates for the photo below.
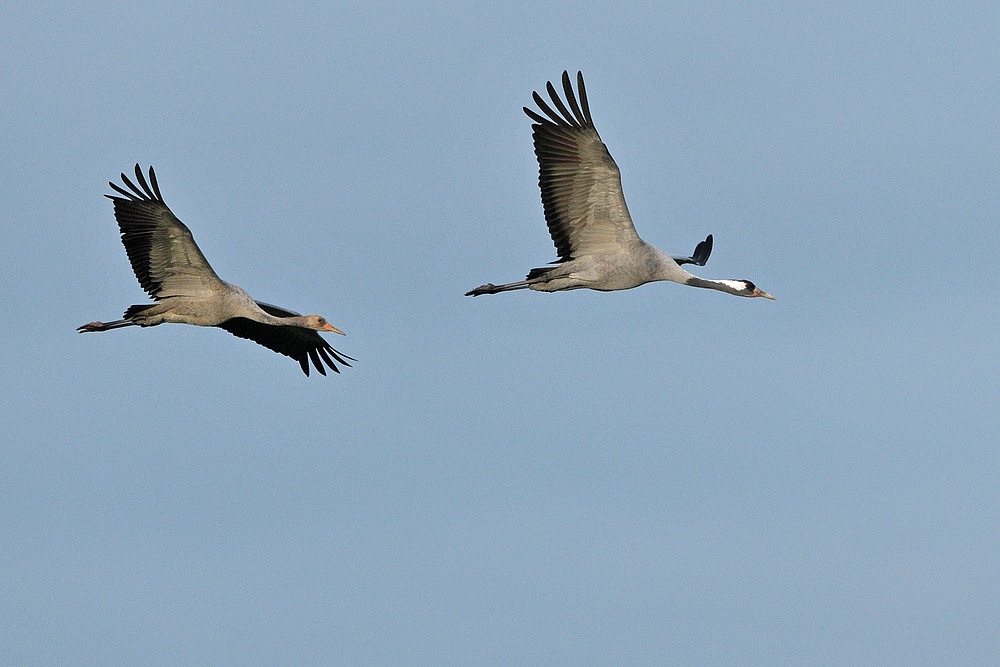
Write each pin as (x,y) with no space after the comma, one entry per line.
(138,224)
(146,193)
(556,143)
(578,179)
(145,221)
(580,116)
(295,342)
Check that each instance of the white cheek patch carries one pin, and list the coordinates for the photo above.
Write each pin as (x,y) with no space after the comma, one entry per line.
(735,284)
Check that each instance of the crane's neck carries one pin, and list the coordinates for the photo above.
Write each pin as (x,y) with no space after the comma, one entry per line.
(661,266)
(734,287)
(242,304)
(297,321)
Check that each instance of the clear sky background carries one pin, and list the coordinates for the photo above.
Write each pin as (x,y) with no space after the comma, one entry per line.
(662,476)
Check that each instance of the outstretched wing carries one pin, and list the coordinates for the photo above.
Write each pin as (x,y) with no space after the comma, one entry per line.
(295,342)
(580,182)
(164,256)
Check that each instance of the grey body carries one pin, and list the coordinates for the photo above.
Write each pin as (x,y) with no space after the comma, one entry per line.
(224,302)
(186,290)
(622,267)
(586,213)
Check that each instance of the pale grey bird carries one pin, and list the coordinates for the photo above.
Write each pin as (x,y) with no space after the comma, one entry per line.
(588,220)
(185,289)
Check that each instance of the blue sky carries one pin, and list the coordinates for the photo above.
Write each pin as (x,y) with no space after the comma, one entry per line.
(659,476)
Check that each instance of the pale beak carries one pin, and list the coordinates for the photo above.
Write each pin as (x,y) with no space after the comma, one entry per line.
(332,329)
(759,292)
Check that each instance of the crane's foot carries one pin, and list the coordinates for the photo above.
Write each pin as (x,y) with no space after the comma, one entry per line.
(488,288)
(91,326)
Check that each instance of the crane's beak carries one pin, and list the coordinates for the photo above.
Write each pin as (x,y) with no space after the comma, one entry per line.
(759,292)
(332,329)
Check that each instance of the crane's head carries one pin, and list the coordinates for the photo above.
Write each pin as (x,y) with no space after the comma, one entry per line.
(747,289)
(320,324)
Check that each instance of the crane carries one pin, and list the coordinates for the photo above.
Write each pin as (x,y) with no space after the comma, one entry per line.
(585,210)
(171,268)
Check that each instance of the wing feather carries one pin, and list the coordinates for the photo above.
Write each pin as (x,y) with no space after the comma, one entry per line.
(568,89)
(300,344)
(559,104)
(161,249)
(580,183)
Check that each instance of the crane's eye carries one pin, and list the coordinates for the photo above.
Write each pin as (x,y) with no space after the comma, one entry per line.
(750,286)
(321,321)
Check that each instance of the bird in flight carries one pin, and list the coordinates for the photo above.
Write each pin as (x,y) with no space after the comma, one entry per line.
(585,210)
(170,267)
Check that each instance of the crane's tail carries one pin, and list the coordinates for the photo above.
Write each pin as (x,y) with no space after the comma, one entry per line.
(490,288)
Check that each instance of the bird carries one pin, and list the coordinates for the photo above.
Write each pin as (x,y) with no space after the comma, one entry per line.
(172,269)
(585,210)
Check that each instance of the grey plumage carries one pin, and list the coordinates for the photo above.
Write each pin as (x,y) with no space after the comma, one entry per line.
(172,269)
(586,214)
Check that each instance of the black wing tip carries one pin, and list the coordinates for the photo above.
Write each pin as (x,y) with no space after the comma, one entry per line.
(703,251)
(145,191)
(302,345)
(314,355)
(321,359)
(584,104)
(324,356)
(578,114)
(534,116)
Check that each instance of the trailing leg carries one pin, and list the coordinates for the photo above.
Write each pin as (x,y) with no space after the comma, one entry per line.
(104,326)
(490,288)
(129,320)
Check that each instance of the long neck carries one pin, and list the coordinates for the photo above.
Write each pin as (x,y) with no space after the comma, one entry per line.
(258,314)
(267,318)
(662,266)
(240,304)
(729,286)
